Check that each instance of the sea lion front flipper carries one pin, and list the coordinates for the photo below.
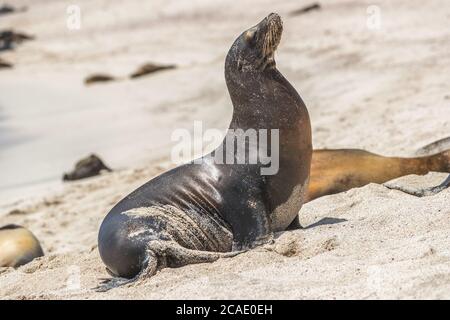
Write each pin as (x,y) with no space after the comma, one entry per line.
(423,192)
(295,224)
(181,256)
(244,244)
(252,227)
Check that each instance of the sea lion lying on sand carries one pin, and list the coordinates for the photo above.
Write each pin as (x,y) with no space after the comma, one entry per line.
(334,171)
(85,168)
(18,246)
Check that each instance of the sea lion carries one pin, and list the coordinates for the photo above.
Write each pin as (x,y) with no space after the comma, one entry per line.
(9,39)
(306,9)
(200,211)
(334,171)
(7,9)
(99,77)
(5,65)
(18,246)
(434,147)
(85,168)
(149,68)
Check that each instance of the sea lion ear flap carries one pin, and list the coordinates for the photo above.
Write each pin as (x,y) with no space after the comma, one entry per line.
(249,36)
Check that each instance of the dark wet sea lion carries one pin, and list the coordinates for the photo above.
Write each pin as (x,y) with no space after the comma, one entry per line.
(7,9)
(85,168)
(18,246)
(334,171)
(199,212)
(9,39)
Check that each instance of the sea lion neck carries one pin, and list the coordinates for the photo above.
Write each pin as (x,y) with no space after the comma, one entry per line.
(253,99)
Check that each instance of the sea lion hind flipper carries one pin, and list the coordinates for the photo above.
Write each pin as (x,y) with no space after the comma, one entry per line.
(162,253)
(182,256)
(434,147)
(107,284)
(149,269)
(423,192)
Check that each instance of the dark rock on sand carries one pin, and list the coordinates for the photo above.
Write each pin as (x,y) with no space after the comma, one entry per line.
(85,168)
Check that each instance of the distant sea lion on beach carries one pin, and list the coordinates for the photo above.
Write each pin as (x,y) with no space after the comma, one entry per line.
(9,39)
(308,8)
(143,70)
(149,68)
(88,167)
(5,65)
(95,78)
(334,171)
(200,211)
(18,246)
(7,9)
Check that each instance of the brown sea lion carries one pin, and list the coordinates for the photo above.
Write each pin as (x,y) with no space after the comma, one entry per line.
(5,65)
(334,171)
(18,246)
(149,68)
(306,9)
(200,211)
(95,78)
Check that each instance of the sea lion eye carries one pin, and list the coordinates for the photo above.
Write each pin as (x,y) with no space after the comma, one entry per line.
(250,36)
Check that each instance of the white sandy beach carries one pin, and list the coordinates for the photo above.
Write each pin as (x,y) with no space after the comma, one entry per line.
(384,90)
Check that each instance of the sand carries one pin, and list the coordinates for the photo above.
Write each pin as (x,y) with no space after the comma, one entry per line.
(384,90)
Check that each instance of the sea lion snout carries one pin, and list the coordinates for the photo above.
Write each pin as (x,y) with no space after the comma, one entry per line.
(275,21)
(274,31)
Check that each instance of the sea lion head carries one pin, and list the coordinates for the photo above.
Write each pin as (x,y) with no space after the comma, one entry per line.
(253,51)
